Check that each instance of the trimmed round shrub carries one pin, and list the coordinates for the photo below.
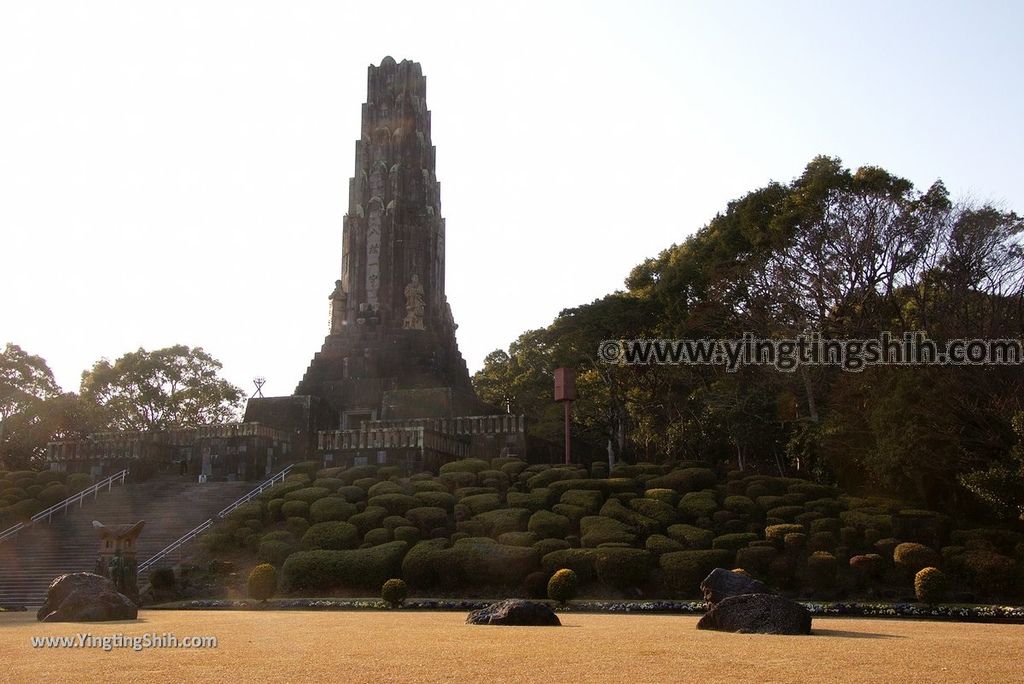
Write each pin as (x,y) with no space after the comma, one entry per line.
(274,510)
(537,500)
(274,551)
(740,504)
(787,513)
(573,513)
(581,561)
(696,505)
(589,500)
(732,542)
(658,544)
(683,571)
(428,517)
(481,503)
(351,493)
(867,566)
(394,504)
(653,509)
(756,559)
(371,518)
(685,480)
(912,557)
(669,496)
(614,509)
(517,538)
(408,534)
(546,546)
(322,571)
(377,536)
(794,541)
(563,585)
(393,522)
(822,541)
(503,520)
(596,530)
(384,488)
(623,568)
(930,585)
(53,494)
(991,573)
(443,500)
(297,526)
(466,465)
(331,508)
(821,569)
(548,525)
(307,494)
(691,537)
(329,483)
(295,509)
(777,533)
(162,578)
(394,592)
(262,582)
(333,535)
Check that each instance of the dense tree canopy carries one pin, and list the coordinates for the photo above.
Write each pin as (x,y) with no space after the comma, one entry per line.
(166,388)
(845,253)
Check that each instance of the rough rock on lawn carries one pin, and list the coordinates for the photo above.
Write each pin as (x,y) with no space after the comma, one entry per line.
(85,597)
(757,613)
(514,612)
(722,584)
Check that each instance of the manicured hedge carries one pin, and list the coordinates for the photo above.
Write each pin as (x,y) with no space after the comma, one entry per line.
(683,571)
(331,535)
(322,571)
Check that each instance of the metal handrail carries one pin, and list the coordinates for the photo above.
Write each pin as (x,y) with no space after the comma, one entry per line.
(256,492)
(78,498)
(175,545)
(202,527)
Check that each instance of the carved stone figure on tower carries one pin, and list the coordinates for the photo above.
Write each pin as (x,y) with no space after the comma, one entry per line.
(414,305)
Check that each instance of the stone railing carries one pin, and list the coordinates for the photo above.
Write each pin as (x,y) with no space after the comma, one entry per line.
(130,444)
(380,439)
(463,425)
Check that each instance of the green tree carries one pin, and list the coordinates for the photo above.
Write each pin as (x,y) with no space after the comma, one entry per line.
(25,381)
(167,388)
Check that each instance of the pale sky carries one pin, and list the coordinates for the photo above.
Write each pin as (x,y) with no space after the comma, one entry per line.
(177,172)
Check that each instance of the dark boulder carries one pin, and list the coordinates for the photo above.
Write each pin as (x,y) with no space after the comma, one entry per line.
(722,584)
(757,614)
(85,597)
(515,612)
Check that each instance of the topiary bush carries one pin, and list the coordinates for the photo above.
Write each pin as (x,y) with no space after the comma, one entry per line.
(333,535)
(695,505)
(732,542)
(581,561)
(590,501)
(394,592)
(682,571)
(548,525)
(690,536)
(295,509)
(502,520)
(262,582)
(911,557)
(323,570)
(930,585)
(596,530)
(777,533)
(821,569)
(622,568)
(162,578)
(331,508)
(563,585)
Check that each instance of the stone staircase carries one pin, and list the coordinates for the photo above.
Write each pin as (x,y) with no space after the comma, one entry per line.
(171,507)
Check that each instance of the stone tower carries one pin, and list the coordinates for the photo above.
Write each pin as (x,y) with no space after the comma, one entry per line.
(390,351)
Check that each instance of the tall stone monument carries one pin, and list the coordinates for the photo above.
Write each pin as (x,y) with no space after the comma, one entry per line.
(390,353)
(391,350)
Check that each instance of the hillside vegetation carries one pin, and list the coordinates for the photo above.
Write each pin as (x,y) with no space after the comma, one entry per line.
(502,527)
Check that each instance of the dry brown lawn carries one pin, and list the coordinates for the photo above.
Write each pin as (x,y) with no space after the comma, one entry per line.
(298,646)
